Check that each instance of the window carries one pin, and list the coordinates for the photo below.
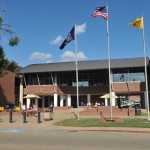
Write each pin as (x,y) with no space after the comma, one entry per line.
(85,78)
(39,79)
(81,83)
(128,75)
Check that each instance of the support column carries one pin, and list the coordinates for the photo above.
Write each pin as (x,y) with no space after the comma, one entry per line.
(49,101)
(69,100)
(113,100)
(55,83)
(28,102)
(21,91)
(106,101)
(43,102)
(88,99)
(55,79)
(55,100)
(36,103)
(61,101)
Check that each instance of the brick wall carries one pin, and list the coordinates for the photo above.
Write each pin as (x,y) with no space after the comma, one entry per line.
(40,90)
(7,89)
(105,111)
(93,90)
(128,87)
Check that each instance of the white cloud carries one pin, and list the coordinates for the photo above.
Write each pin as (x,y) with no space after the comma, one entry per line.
(81,28)
(70,56)
(39,56)
(49,61)
(56,41)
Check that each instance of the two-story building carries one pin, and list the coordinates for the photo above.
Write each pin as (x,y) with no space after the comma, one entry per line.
(56,82)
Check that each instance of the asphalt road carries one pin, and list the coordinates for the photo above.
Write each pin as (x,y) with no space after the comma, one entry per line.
(47,136)
(60,139)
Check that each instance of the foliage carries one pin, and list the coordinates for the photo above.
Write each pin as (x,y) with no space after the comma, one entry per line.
(5,27)
(1,20)
(93,122)
(3,61)
(143,114)
(14,41)
(5,64)
(12,66)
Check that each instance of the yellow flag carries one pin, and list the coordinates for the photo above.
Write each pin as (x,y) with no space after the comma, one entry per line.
(138,23)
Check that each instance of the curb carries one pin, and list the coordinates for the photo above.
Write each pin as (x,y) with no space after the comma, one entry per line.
(124,131)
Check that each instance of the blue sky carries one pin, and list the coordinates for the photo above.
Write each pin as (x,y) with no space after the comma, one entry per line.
(42,25)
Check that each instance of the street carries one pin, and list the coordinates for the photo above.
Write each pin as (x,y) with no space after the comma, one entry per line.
(60,139)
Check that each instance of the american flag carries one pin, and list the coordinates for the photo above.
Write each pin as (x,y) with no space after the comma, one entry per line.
(100,12)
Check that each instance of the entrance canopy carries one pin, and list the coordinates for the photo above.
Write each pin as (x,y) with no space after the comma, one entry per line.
(108,96)
(31,96)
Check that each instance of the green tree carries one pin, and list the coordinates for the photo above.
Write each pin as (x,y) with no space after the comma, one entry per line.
(5,64)
(12,66)
(5,27)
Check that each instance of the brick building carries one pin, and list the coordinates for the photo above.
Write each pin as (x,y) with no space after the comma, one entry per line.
(56,82)
(9,89)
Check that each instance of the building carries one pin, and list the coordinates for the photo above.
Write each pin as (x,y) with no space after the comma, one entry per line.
(56,82)
(9,89)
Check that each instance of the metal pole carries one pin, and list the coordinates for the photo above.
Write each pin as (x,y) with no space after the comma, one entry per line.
(39,117)
(25,83)
(10,116)
(147,96)
(109,66)
(24,117)
(77,74)
(51,115)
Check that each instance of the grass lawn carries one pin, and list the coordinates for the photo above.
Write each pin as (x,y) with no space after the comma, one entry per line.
(93,122)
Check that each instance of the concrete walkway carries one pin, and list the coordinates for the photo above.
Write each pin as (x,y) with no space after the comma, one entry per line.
(32,123)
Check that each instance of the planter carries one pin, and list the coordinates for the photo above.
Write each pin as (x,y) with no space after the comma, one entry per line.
(48,116)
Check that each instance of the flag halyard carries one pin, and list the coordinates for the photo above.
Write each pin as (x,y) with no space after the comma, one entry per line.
(100,12)
(70,37)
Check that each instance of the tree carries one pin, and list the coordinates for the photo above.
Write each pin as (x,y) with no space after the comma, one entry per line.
(5,27)
(12,66)
(5,64)
(14,41)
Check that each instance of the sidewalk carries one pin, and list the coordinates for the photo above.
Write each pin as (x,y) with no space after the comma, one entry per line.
(32,123)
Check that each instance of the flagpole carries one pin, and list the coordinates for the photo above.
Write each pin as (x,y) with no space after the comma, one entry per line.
(76,63)
(144,47)
(109,65)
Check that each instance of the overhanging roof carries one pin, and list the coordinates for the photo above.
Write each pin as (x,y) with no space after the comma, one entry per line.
(85,65)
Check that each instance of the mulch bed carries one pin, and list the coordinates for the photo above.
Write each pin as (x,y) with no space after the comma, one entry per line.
(114,119)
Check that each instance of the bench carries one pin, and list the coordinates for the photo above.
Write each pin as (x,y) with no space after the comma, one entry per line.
(17,108)
(1,108)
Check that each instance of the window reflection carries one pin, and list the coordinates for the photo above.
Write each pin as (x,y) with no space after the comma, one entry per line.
(86,78)
(127,77)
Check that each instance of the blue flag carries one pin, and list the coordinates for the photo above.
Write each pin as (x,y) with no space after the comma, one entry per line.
(70,37)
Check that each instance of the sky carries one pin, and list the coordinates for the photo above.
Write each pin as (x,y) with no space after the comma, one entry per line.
(42,25)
